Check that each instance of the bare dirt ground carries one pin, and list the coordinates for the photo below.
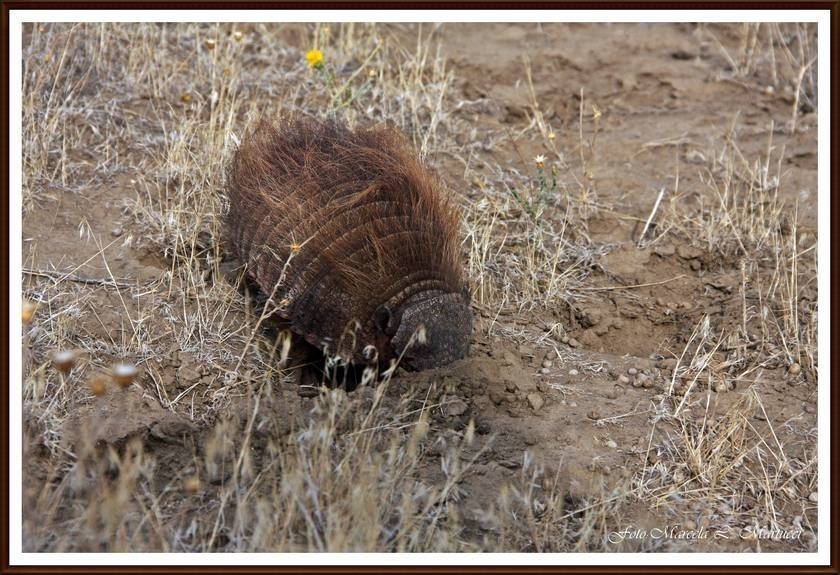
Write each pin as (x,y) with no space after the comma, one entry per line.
(642,375)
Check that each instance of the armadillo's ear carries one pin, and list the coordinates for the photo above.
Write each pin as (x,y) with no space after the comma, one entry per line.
(382,318)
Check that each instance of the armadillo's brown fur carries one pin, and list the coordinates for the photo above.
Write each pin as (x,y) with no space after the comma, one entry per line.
(337,225)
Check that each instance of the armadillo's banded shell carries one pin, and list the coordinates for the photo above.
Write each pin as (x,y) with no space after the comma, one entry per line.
(333,224)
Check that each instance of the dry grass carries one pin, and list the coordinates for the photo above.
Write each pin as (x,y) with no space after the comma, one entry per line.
(775,56)
(156,109)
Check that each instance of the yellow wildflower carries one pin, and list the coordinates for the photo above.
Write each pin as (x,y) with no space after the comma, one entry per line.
(315,58)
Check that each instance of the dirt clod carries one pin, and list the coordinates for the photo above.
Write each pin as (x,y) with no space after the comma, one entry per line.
(455,408)
(536,400)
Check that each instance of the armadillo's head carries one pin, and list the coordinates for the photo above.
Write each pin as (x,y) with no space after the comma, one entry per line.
(433,331)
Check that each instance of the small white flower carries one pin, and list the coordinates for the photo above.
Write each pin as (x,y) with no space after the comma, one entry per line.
(540,161)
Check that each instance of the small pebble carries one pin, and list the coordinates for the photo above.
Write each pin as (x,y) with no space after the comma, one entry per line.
(594,414)
(623,379)
(455,408)
(804,240)
(653,458)
(632,371)
(669,363)
(545,370)
(536,400)
(547,363)
(572,404)
(117,232)
(810,409)
(573,372)
(611,444)
(794,369)
(573,342)
(666,250)
(812,497)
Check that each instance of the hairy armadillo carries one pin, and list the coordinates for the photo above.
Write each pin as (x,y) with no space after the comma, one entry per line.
(351,238)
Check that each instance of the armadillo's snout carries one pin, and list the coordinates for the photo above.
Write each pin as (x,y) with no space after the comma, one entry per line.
(434,332)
